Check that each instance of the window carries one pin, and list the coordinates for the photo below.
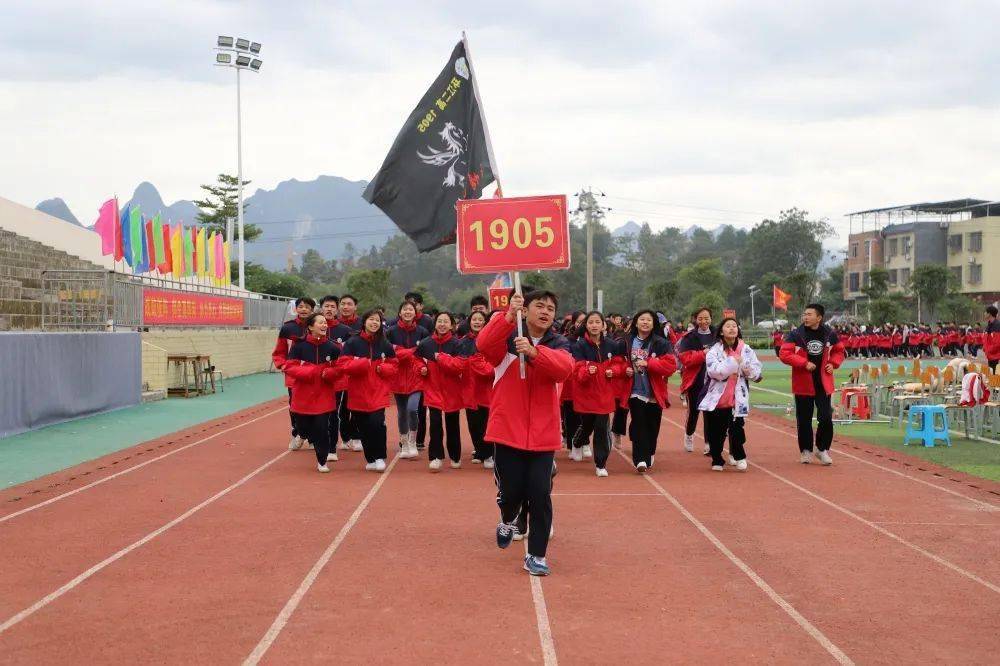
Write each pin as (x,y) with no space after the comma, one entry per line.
(855,283)
(893,247)
(868,248)
(854,250)
(976,241)
(893,276)
(865,279)
(907,242)
(904,277)
(975,273)
(955,243)
(956,273)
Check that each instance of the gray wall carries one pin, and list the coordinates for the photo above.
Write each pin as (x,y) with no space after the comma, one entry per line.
(932,243)
(53,377)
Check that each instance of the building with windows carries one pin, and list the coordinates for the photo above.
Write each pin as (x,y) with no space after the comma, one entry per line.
(963,234)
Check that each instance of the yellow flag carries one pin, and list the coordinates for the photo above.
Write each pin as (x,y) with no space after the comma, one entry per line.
(200,252)
(176,252)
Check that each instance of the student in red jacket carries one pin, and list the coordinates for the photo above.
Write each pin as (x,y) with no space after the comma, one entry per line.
(991,338)
(311,363)
(442,371)
(571,328)
(524,417)
(598,362)
(408,384)
(477,390)
(691,350)
(814,351)
(652,362)
(291,332)
(370,362)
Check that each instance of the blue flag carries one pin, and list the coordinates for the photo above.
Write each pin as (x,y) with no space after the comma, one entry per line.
(126,237)
(143,266)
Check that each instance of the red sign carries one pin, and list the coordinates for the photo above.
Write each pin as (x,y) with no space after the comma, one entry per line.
(499,298)
(729,313)
(515,234)
(179,308)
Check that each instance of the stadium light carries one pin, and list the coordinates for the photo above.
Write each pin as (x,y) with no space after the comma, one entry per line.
(242,49)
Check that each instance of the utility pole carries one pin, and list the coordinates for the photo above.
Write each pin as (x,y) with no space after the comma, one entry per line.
(592,212)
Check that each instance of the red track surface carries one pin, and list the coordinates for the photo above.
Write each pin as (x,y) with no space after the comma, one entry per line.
(787,563)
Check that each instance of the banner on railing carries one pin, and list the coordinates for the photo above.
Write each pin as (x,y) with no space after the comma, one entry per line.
(193,309)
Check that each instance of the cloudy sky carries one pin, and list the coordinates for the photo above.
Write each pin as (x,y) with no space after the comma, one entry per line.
(681,112)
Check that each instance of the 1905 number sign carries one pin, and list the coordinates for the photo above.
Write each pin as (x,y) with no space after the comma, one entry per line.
(516,234)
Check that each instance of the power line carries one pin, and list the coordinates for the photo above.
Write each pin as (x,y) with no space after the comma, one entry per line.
(677,205)
(320,219)
(342,234)
(679,218)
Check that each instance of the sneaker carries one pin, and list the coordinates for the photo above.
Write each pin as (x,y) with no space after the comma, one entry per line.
(689,443)
(652,459)
(576,454)
(414,454)
(616,440)
(456,464)
(477,461)
(420,446)
(355,445)
(343,446)
(824,458)
(741,465)
(718,468)
(435,465)
(588,453)
(295,444)
(505,534)
(371,467)
(331,457)
(522,528)
(805,457)
(380,465)
(641,468)
(322,468)
(602,472)
(307,445)
(706,451)
(488,463)
(536,566)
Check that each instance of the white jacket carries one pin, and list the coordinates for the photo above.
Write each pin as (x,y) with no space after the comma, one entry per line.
(719,367)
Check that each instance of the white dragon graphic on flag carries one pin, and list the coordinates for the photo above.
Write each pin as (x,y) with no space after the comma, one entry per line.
(452,155)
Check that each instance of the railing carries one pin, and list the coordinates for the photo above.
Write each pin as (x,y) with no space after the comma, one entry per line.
(106,300)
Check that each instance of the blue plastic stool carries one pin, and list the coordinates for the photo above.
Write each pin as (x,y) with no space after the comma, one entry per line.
(928,431)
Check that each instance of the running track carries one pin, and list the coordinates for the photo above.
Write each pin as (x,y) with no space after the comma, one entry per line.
(217,545)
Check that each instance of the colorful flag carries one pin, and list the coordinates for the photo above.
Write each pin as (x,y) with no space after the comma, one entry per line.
(501,281)
(126,236)
(158,249)
(220,257)
(167,261)
(148,248)
(227,277)
(119,236)
(781,299)
(199,248)
(107,223)
(177,250)
(135,236)
(189,252)
(210,255)
(439,156)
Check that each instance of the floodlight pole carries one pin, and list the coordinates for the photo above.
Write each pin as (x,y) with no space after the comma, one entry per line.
(239,176)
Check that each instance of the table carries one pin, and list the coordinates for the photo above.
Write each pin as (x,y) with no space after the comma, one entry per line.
(196,364)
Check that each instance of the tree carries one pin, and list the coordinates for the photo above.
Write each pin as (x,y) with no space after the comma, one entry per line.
(702,276)
(792,244)
(707,298)
(958,308)
(831,292)
(930,283)
(802,286)
(878,283)
(370,286)
(663,293)
(887,309)
(221,205)
(314,268)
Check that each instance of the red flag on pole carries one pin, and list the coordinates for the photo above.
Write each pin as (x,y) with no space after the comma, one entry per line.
(781,299)
(166,264)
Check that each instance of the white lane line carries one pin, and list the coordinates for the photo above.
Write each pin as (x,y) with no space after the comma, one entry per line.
(542,619)
(899,522)
(895,537)
(52,596)
(286,613)
(799,619)
(52,500)
(605,494)
(881,530)
(987,506)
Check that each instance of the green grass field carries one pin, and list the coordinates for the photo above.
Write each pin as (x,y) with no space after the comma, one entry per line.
(976,457)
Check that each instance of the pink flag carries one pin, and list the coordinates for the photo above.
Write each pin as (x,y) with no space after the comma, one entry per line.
(220,259)
(107,225)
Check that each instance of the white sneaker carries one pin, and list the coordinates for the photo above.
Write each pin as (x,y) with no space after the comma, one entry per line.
(488,463)
(641,468)
(732,461)
(576,454)
(343,446)
(602,471)
(355,445)
(588,452)
(616,440)
(331,457)
(741,465)
(295,444)
(322,468)
(404,451)
(824,458)
(372,467)
(456,465)
(435,465)
(414,454)
(652,459)
(718,468)
(706,451)
(477,461)
(379,465)
(689,443)
(805,457)
(307,445)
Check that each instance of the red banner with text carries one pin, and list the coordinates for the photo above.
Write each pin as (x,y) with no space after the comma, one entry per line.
(188,308)
(514,234)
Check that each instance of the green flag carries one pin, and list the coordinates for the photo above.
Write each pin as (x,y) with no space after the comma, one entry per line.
(135,235)
(188,252)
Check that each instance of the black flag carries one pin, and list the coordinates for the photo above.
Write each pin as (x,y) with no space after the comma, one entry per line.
(439,157)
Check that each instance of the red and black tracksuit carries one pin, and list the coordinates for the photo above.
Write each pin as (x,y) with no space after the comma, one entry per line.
(991,343)
(594,392)
(648,394)
(443,393)
(290,332)
(524,424)
(408,384)
(477,391)
(370,362)
(338,334)
(820,346)
(692,350)
(313,365)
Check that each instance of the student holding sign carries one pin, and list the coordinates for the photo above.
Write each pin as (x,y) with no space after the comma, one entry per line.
(524,417)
